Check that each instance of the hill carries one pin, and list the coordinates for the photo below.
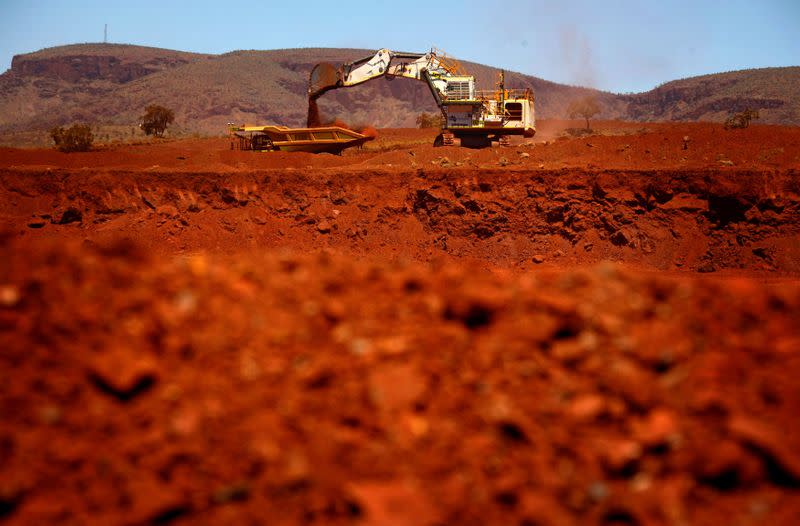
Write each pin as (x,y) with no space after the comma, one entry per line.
(775,92)
(110,84)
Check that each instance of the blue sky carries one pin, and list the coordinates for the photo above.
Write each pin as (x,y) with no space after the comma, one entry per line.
(620,46)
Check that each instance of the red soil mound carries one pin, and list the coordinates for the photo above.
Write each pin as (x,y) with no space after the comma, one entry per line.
(404,334)
(289,390)
(705,221)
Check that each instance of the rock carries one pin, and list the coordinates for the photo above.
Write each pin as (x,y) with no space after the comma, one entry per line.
(297,470)
(185,302)
(360,346)
(658,428)
(185,422)
(153,502)
(524,155)
(633,383)
(538,258)
(167,211)
(572,350)
(540,508)
(503,161)
(620,238)
(324,227)
(50,415)
(726,162)
(396,387)
(71,215)
(394,502)
(707,267)
(259,216)
(334,310)
(787,345)
(391,345)
(476,308)
(123,374)
(236,492)
(622,195)
(587,407)
(686,203)
(598,491)
(618,454)
(9,296)
(249,368)
(36,223)
(11,496)
(771,444)
(234,197)
(765,253)
(725,465)
(417,426)
(471,204)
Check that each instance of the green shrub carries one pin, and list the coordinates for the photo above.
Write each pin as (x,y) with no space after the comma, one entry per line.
(76,138)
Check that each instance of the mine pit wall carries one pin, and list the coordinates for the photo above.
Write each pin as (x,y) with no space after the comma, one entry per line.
(697,221)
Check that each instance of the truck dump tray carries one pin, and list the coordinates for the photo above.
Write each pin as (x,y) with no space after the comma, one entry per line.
(330,139)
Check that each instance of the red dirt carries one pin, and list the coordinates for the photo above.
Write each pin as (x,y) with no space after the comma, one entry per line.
(369,131)
(618,145)
(404,334)
(313,120)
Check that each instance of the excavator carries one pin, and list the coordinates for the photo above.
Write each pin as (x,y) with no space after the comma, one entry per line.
(476,118)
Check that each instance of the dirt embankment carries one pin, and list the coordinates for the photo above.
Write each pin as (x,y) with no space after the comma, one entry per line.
(404,335)
(322,390)
(698,221)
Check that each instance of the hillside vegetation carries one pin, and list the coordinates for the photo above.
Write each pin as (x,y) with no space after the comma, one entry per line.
(111,84)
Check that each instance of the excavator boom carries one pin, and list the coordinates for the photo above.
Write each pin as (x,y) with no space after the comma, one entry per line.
(384,63)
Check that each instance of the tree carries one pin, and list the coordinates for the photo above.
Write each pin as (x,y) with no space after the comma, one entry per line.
(156,119)
(429,120)
(741,119)
(77,138)
(586,108)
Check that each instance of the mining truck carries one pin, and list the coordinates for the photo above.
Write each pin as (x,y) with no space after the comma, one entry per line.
(475,117)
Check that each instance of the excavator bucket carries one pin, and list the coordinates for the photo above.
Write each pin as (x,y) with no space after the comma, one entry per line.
(323,77)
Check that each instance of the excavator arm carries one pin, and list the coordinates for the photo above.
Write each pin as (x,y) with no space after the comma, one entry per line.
(427,67)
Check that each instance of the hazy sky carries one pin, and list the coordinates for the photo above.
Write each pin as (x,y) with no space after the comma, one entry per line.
(619,46)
